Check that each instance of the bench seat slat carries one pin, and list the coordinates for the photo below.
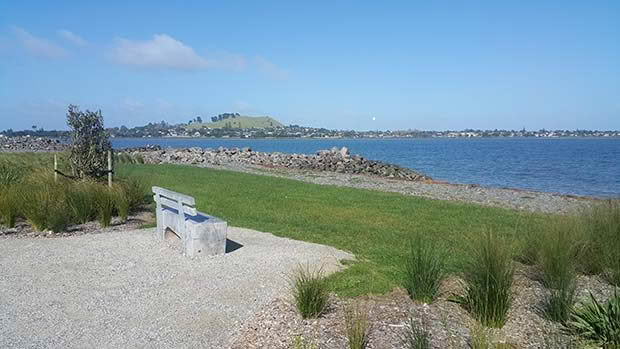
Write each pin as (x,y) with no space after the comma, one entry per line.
(174,205)
(186,199)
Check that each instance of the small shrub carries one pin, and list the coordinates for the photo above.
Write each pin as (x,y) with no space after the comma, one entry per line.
(105,205)
(417,336)
(310,291)
(425,270)
(488,276)
(90,143)
(597,323)
(357,326)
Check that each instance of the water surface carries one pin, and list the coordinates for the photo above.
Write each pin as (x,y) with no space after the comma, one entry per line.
(579,166)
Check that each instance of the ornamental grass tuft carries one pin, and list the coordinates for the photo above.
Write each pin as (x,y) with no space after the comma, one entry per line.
(417,335)
(105,205)
(309,289)
(357,325)
(425,269)
(10,202)
(557,264)
(488,276)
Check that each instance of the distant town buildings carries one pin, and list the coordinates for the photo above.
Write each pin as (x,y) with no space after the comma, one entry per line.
(163,129)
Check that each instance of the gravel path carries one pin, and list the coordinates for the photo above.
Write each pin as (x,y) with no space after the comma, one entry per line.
(127,289)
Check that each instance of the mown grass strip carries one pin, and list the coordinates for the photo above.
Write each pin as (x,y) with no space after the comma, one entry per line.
(375,226)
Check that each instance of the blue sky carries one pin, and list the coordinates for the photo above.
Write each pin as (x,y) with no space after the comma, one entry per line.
(419,65)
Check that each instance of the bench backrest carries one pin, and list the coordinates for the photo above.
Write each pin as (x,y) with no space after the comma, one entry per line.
(184,204)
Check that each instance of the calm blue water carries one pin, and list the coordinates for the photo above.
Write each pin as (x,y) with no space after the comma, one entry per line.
(581,166)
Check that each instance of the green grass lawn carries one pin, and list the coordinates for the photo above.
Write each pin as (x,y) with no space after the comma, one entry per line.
(375,226)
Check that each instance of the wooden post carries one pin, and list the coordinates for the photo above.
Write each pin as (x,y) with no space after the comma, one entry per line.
(55,168)
(110,168)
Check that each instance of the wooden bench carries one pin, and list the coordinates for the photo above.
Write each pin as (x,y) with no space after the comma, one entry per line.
(201,234)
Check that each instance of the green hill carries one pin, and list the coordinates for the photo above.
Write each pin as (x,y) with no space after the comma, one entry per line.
(239,122)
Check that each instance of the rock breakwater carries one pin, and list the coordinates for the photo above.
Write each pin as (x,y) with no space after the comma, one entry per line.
(30,144)
(334,160)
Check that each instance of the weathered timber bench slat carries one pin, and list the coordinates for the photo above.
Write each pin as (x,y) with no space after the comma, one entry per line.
(201,234)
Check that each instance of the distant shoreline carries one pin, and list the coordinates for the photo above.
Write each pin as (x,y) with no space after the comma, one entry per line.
(366,138)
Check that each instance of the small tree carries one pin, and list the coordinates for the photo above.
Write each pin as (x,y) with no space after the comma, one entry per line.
(90,143)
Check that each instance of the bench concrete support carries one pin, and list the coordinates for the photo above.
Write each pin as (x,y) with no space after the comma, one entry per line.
(202,234)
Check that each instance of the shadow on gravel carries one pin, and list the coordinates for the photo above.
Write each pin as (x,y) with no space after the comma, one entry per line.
(232,246)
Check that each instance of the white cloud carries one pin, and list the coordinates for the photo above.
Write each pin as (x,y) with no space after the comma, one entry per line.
(270,69)
(39,46)
(72,37)
(162,51)
(227,60)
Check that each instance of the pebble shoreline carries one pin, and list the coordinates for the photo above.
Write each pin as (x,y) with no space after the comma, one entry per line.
(524,200)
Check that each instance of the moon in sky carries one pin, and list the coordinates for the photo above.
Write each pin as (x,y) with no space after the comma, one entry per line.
(374,118)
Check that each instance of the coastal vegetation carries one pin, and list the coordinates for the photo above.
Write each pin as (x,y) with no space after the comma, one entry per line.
(393,236)
(33,194)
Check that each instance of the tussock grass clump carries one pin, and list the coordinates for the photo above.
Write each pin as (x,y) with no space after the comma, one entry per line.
(310,291)
(488,277)
(602,228)
(9,175)
(105,205)
(9,205)
(44,202)
(122,202)
(425,269)
(557,263)
(81,201)
(597,323)
(528,236)
(357,325)
(559,303)
(135,192)
(417,335)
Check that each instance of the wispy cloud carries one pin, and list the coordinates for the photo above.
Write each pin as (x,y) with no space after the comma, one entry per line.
(72,37)
(270,69)
(162,51)
(228,60)
(38,46)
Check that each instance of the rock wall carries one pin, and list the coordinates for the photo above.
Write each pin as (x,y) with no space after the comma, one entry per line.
(30,144)
(334,160)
